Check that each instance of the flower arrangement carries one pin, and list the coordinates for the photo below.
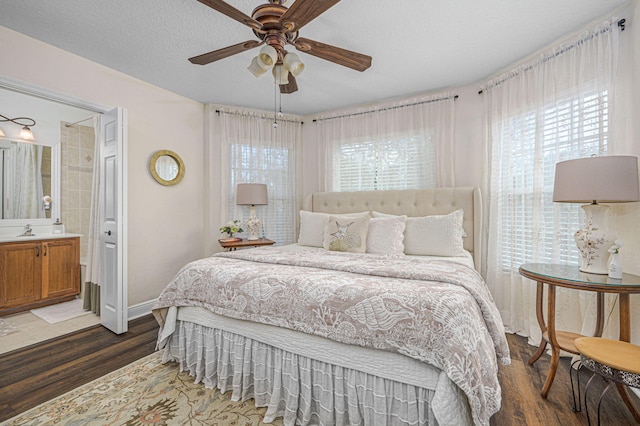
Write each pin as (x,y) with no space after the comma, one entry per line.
(231,227)
(615,248)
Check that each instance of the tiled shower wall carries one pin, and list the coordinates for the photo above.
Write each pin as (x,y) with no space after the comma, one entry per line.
(76,155)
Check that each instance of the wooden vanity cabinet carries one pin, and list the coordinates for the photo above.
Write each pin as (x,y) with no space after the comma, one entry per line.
(38,273)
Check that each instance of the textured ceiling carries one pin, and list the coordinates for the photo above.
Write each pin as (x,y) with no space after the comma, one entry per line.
(417,45)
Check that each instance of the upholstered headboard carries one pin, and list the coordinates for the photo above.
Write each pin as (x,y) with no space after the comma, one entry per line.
(410,202)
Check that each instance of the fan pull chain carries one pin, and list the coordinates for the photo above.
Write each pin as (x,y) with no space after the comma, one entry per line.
(275,99)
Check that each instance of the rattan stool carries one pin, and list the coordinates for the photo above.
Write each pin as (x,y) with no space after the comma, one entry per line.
(616,361)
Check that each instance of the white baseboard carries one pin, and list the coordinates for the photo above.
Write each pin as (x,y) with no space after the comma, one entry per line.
(141,309)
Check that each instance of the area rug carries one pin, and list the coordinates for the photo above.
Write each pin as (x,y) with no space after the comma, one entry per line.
(61,311)
(147,393)
(6,328)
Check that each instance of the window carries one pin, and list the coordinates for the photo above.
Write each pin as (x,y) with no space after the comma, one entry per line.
(273,166)
(534,228)
(404,163)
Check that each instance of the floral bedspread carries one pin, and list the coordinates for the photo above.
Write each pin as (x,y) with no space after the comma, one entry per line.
(434,311)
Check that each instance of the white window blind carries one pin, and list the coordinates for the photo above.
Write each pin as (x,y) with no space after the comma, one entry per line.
(402,163)
(534,227)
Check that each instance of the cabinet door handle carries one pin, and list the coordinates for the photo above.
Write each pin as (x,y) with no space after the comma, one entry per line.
(108,232)
(45,249)
(37,251)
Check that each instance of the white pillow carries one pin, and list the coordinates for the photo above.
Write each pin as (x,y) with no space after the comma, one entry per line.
(346,233)
(312,227)
(437,235)
(386,235)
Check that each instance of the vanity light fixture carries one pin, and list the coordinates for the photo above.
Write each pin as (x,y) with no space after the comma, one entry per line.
(25,122)
(26,133)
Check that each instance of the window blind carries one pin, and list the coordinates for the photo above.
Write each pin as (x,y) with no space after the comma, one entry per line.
(385,164)
(572,128)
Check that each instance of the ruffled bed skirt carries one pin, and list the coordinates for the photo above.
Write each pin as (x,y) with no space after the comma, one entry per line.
(301,390)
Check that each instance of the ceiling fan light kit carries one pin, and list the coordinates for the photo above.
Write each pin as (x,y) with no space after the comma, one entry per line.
(268,56)
(280,75)
(292,63)
(276,25)
(256,69)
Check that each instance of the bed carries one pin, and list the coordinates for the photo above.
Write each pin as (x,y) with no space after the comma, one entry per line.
(320,336)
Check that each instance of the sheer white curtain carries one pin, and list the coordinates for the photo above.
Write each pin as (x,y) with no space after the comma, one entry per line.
(253,151)
(25,161)
(404,144)
(553,108)
(94,249)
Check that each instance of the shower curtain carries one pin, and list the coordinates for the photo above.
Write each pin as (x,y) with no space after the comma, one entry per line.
(94,249)
(25,161)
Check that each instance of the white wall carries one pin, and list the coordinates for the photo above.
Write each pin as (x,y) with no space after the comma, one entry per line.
(165,223)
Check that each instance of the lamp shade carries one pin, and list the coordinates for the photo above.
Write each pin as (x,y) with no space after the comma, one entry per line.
(608,179)
(26,134)
(256,69)
(251,194)
(292,63)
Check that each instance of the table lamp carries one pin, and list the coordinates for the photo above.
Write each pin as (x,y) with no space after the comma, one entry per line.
(608,179)
(252,195)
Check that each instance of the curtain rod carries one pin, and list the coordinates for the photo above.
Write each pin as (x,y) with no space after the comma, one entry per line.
(84,119)
(621,24)
(389,108)
(260,118)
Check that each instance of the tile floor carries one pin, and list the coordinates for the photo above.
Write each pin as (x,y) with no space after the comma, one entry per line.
(32,329)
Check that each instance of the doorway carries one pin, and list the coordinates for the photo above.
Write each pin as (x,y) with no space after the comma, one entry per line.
(71,180)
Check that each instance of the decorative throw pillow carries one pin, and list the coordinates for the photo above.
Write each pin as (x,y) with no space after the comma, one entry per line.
(386,235)
(312,227)
(343,233)
(375,214)
(437,235)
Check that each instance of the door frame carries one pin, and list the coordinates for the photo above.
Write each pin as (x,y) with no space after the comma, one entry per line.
(52,95)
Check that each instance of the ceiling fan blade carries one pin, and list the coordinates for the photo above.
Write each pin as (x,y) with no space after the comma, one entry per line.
(232,12)
(290,87)
(347,58)
(216,55)
(302,12)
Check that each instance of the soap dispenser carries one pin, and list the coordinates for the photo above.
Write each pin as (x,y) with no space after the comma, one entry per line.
(58,227)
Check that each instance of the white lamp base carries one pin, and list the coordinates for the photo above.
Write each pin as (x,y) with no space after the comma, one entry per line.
(594,240)
(253,224)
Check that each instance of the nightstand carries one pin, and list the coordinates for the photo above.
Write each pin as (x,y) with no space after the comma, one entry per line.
(234,245)
(568,276)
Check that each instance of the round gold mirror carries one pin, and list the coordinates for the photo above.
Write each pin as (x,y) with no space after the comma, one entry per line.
(166,167)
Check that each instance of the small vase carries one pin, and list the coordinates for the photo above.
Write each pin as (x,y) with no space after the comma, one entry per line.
(615,268)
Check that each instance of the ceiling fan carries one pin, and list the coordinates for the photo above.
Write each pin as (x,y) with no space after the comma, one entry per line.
(275,26)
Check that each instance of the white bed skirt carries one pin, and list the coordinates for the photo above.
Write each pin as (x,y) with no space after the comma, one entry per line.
(306,391)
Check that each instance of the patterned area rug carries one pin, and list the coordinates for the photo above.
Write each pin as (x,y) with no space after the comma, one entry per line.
(147,393)
(6,328)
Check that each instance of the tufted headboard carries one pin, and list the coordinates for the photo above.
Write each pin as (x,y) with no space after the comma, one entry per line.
(410,202)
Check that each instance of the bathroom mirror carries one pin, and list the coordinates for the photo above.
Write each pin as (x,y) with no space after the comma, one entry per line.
(25,178)
(166,167)
(60,164)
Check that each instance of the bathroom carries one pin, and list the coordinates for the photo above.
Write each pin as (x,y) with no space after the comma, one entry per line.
(67,139)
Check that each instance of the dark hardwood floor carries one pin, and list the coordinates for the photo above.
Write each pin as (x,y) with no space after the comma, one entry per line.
(522,404)
(35,374)
(32,375)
